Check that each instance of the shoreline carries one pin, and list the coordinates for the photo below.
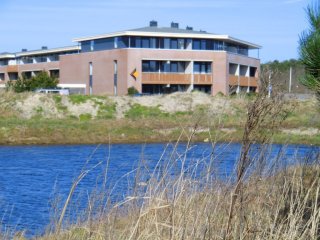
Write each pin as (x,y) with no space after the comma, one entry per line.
(283,139)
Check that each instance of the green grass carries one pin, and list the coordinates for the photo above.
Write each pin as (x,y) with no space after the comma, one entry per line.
(142,123)
(138,111)
(106,111)
(85,117)
(78,99)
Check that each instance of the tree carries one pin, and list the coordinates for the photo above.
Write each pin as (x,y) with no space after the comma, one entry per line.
(310,49)
(41,80)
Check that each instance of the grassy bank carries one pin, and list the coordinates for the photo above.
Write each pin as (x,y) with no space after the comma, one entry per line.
(46,119)
(266,197)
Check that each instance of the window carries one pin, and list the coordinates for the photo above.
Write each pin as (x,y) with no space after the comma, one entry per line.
(196,44)
(90,78)
(54,73)
(203,44)
(116,42)
(153,66)
(253,71)
(218,45)
(174,67)
(202,67)
(91,45)
(181,44)
(136,42)
(145,66)
(154,43)
(115,77)
(1,76)
(167,43)
(145,43)
(174,43)
(196,67)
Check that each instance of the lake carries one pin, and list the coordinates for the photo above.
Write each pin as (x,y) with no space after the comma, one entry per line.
(34,179)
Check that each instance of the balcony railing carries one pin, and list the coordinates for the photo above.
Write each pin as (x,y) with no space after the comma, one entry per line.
(243,81)
(166,78)
(204,79)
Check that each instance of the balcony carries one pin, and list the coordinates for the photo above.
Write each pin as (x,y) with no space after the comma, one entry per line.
(202,79)
(166,78)
(12,68)
(243,81)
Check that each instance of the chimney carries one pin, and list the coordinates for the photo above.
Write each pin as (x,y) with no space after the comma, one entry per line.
(24,50)
(174,25)
(153,23)
(189,28)
(44,48)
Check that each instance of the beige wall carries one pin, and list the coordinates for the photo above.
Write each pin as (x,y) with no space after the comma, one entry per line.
(75,69)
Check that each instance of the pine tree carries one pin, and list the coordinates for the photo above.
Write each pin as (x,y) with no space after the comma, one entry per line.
(310,49)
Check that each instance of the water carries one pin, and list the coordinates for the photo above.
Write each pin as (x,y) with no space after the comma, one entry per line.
(32,177)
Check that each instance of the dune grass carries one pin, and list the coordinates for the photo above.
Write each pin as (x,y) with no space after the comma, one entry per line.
(184,198)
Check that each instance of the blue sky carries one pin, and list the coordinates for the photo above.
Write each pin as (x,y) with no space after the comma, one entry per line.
(273,24)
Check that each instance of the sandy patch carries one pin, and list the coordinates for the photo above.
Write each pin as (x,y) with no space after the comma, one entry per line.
(302,131)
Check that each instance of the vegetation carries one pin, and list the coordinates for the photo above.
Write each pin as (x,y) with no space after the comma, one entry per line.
(190,199)
(24,84)
(132,91)
(280,75)
(30,118)
(310,48)
(138,111)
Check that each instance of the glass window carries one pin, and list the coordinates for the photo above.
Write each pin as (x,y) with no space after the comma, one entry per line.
(123,42)
(166,67)
(174,43)
(104,44)
(85,46)
(145,43)
(209,70)
(203,67)
(153,43)
(137,42)
(209,44)
(188,43)
(145,66)
(91,45)
(203,44)
(167,43)
(218,45)
(196,67)
(153,67)
(174,67)
(196,44)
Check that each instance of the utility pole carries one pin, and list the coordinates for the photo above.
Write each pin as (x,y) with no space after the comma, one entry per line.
(290,79)
(269,85)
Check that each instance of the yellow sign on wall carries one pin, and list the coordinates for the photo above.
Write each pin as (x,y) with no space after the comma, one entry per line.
(134,74)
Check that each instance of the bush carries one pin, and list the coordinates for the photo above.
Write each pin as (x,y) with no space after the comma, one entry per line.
(24,84)
(132,91)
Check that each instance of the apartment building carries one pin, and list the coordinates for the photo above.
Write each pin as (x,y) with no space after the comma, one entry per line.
(152,59)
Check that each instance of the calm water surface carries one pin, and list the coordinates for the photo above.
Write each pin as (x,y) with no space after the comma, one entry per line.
(32,177)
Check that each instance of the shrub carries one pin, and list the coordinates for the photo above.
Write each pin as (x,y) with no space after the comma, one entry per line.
(132,91)
(24,84)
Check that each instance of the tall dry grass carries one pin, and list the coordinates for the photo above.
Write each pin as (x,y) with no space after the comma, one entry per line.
(266,197)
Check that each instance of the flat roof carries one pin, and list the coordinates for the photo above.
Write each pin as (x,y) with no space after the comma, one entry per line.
(169,32)
(6,55)
(46,51)
(39,52)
